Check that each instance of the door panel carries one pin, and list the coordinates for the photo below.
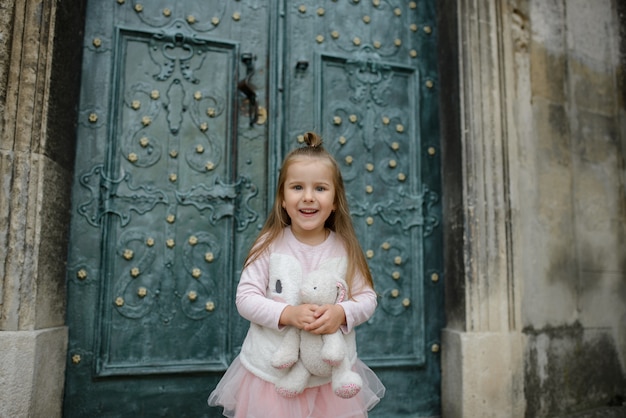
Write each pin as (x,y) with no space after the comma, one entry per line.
(164,258)
(367,69)
(383,194)
(178,139)
(170,189)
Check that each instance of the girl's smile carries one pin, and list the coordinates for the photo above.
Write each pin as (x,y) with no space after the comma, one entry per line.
(309,198)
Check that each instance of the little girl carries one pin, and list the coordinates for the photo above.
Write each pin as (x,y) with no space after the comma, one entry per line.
(308,229)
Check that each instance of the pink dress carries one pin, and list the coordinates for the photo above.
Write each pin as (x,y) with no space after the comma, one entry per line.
(247,389)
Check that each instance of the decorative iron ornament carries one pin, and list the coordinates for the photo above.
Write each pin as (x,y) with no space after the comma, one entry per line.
(222,200)
(200,277)
(136,278)
(136,295)
(105,192)
(407,210)
(167,49)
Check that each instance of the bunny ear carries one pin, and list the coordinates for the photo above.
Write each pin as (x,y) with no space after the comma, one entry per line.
(341,291)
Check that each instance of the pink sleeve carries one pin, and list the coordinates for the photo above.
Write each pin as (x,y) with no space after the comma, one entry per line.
(361,307)
(251,299)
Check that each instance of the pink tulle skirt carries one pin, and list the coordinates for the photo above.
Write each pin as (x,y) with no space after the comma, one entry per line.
(244,395)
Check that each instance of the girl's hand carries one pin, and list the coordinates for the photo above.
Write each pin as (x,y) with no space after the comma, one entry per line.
(298,316)
(328,319)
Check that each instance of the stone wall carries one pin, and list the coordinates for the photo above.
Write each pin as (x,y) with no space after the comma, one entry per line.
(39,79)
(482,352)
(569,198)
(534,144)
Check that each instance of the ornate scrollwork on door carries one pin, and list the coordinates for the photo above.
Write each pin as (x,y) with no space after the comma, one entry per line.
(140,145)
(172,49)
(369,118)
(408,210)
(347,26)
(134,290)
(223,199)
(201,253)
(106,191)
(368,77)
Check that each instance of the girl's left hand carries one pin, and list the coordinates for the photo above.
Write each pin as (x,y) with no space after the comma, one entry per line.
(328,319)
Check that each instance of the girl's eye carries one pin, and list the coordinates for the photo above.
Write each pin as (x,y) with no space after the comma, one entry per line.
(297,187)
(321,188)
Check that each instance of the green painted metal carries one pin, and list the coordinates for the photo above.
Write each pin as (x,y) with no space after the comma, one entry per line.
(368,71)
(186,110)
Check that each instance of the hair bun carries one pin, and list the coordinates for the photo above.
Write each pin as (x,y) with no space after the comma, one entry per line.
(313,140)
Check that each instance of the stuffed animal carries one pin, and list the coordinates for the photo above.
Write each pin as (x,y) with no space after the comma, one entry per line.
(307,354)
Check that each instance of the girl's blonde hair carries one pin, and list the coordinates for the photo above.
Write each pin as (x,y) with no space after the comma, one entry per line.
(339,221)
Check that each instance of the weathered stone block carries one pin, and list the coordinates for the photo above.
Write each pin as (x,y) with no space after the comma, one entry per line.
(482,374)
(570,369)
(603,301)
(599,191)
(548,51)
(548,259)
(32,368)
(53,216)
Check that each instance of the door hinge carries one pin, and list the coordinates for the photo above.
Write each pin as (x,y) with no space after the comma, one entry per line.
(105,192)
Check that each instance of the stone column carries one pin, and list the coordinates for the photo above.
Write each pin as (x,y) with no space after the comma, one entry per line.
(39,76)
(482,342)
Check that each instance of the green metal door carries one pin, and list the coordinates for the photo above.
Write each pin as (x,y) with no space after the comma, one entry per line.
(186,111)
(363,72)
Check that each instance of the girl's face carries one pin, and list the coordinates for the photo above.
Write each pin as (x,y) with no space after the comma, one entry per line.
(309,198)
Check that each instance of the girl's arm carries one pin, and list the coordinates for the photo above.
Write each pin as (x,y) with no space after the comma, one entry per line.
(360,307)
(251,300)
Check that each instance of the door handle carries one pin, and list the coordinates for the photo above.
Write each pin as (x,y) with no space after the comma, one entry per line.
(246,87)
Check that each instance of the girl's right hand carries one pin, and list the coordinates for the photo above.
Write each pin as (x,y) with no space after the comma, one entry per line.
(298,316)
